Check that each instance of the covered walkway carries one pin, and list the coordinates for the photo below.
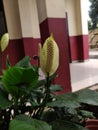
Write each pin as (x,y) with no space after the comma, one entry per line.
(85,74)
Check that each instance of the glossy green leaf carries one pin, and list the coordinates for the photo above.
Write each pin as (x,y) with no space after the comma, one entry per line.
(87,96)
(68,100)
(65,125)
(4,102)
(74,100)
(23,122)
(40,83)
(25,62)
(55,87)
(20,125)
(16,77)
(8,65)
(87,114)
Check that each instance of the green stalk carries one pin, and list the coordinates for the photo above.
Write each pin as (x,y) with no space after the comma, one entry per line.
(47,86)
(0,60)
(47,95)
(16,107)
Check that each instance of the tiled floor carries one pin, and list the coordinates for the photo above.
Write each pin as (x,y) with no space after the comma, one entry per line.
(84,74)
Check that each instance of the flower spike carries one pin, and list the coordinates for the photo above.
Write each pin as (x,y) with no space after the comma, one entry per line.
(4,41)
(49,56)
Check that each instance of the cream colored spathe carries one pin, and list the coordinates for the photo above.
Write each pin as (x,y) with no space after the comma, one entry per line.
(4,41)
(49,56)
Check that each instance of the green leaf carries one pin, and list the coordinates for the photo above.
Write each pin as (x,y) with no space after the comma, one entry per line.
(68,100)
(74,100)
(71,111)
(25,62)
(8,65)
(4,102)
(15,78)
(87,96)
(40,83)
(20,125)
(49,116)
(65,125)
(55,87)
(87,114)
(23,122)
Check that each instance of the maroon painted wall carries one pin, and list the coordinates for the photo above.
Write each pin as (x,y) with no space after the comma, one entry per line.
(57,26)
(79,48)
(31,48)
(19,48)
(15,52)
(85,47)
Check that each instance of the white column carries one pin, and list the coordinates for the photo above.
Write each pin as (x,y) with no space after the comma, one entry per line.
(29,18)
(84,16)
(12,18)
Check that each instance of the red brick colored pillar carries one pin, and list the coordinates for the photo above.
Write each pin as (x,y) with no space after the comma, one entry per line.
(29,27)
(78,29)
(53,22)
(23,28)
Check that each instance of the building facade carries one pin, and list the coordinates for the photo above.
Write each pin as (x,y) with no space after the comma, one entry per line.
(29,22)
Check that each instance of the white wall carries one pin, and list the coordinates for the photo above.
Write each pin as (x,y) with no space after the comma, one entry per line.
(74,18)
(12,18)
(42,12)
(29,18)
(22,18)
(84,15)
(77,16)
(55,8)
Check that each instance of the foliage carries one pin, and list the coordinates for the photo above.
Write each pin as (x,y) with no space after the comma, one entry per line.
(93,14)
(89,25)
(93,22)
(28,103)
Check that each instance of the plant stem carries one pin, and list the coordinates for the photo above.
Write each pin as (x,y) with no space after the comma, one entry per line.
(47,92)
(0,60)
(47,96)
(16,107)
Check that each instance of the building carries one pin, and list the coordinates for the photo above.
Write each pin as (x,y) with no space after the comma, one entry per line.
(29,22)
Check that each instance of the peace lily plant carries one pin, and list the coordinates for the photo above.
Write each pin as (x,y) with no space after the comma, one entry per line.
(4,42)
(27,103)
(3,45)
(49,56)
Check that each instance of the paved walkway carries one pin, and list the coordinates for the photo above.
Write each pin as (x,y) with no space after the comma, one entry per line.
(85,74)
(93,53)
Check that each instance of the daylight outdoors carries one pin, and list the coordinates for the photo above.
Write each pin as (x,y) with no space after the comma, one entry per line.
(48,64)
(93,24)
